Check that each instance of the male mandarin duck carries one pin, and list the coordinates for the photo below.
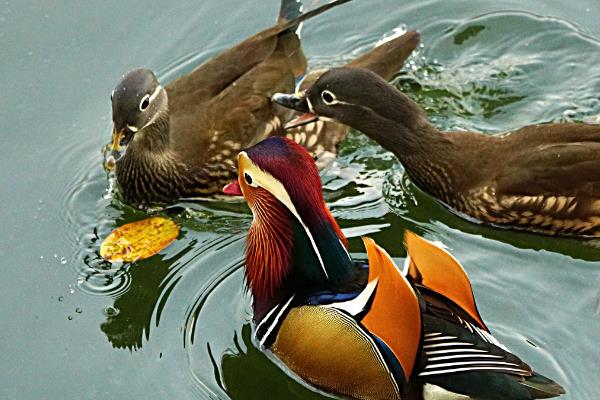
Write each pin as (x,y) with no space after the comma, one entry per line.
(363,330)
(181,139)
(541,178)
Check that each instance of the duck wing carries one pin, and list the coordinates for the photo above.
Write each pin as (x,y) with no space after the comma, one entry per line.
(458,352)
(460,357)
(242,114)
(216,74)
(224,104)
(559,179)
(558,159)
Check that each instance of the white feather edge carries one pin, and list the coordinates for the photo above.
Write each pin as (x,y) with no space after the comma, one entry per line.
(357,304)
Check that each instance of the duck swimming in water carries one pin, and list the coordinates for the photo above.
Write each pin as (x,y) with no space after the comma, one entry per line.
(541,178)
(365,330)
(179,141)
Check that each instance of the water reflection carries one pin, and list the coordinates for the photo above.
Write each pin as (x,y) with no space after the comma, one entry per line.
(145,297)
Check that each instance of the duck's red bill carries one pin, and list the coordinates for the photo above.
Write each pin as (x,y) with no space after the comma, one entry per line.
(304,119)
(233,189)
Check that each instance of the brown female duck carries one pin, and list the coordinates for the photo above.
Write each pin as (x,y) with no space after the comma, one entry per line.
(541,178)
(181,139)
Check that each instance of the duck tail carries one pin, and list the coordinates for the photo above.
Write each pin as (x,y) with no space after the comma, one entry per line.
(289,23)
(289,39)
(387,59)
(288,11)
(540,387)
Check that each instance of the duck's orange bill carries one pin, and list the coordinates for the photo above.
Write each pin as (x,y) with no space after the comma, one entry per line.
(395,315)
(117,137)
(233,189)
(434,268)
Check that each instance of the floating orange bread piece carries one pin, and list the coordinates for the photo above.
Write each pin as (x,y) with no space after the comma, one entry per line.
(394,316)
(434,268)
(139,240)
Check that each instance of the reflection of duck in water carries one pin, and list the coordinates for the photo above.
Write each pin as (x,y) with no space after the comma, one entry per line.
(136,306)
(183,146)
(355,329)
(541,178)
(245,371)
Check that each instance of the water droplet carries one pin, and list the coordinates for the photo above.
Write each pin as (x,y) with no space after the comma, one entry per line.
(78,310)
(60,298)
(111,311)
(70,318)
(55,255)
(80,281)
(63,260)
(41,257)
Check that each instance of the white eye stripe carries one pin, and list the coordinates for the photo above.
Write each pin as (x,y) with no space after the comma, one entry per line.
(155,93)
(276,188)
(150,98)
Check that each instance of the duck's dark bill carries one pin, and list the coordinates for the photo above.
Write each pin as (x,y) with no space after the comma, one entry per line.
(233,189)
(304,119)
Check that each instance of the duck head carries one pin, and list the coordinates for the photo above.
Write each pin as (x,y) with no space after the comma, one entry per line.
(294,241)
(356,97)
(138,102)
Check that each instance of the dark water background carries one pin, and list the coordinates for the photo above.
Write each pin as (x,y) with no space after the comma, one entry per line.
(177,325)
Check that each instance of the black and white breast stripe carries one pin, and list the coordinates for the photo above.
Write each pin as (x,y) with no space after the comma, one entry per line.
(266,330)
(446,354)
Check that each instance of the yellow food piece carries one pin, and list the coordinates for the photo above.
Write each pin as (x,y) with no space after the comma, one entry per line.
(139,240)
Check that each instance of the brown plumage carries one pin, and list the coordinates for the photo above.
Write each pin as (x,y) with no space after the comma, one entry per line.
(186,148)
(541,178)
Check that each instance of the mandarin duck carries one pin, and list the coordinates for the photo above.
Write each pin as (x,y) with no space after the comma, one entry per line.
(365,330)
(541,178)
(179,141)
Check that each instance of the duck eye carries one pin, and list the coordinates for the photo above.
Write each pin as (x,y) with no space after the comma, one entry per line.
(145,102)
(248,178)
(328,97)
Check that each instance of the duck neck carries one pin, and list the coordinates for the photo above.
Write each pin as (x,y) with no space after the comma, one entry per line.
(154,138)
(149,172)
(399,125)
(286,257)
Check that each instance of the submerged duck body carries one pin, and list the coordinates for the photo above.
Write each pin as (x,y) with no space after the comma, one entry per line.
(179,141)
(541,178)
(364,330)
